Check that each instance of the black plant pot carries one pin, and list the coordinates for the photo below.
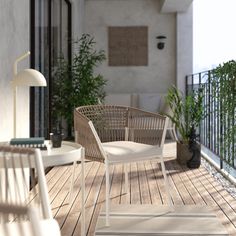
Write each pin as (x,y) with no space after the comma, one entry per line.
(195,161)
(56,140)
(183,153)
(195,149)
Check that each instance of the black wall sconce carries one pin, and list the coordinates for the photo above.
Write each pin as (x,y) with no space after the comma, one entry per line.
(161,42)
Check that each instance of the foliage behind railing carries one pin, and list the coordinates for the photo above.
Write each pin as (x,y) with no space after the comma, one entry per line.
(218,128)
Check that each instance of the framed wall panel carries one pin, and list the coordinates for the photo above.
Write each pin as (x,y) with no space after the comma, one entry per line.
(128,46)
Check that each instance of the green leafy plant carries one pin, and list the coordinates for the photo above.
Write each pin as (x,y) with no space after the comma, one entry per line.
(76,84)
(187,112)
(223,81)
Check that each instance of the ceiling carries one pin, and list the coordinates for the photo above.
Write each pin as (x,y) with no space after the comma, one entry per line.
(169,6)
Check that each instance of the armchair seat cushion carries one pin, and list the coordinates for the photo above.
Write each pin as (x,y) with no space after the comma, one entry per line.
(128,151)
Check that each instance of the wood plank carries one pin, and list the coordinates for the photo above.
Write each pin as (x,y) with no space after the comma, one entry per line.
(144,189)
(74,212)
(125,198)
(134,185)
(159,178)
(199,180)
(97,207)
(176,198)
(183,191)
(225,207)
(220,190)
(64,194)
(60,191)
(93,196)
(152,184)
(197,199)
(116,185)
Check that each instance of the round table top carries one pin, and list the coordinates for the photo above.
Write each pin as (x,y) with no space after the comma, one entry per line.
(68,152)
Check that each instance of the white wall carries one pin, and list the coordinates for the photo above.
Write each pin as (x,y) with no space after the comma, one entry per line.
(161,70)
(14,41)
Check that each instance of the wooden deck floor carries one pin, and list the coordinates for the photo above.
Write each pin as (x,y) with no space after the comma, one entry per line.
(146,187)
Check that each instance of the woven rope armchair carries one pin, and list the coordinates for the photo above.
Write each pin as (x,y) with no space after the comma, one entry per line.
(117,134)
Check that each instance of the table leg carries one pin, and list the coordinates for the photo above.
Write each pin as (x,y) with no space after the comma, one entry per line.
(72,183)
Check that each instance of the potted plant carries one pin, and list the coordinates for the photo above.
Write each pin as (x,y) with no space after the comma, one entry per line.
(186,114)
(76,84)
(57,135)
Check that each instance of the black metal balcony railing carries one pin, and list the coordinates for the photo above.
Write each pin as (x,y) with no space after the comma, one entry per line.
(217,129)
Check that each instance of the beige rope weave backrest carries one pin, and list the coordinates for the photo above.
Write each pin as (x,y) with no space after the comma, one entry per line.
(109,121)
(112,123)
(85,137)
(146,127)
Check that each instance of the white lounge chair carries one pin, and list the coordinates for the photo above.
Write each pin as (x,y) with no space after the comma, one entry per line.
(118,134)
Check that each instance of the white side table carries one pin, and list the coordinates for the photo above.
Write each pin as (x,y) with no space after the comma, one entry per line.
(69,152)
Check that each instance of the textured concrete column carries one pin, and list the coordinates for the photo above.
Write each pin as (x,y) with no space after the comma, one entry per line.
(14,41)
(77,18)
(184,46)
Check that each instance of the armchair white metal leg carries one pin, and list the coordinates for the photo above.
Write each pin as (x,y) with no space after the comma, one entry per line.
(82,185)
(107,194)
(82,193)
(126,179)
(71,191)
(166,183)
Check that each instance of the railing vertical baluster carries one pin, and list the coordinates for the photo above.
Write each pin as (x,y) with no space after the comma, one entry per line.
(186,85)
(233,122)
(205,119)
(209,116)
(200,85)
(218,127)
(221,136)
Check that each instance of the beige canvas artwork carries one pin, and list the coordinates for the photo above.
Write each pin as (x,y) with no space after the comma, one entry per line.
(128,46)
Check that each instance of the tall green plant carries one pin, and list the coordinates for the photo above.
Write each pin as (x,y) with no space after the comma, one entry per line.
(76,84)
(187,112)
(223,82)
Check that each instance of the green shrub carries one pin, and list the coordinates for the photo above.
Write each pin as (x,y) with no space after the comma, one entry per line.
(76,84)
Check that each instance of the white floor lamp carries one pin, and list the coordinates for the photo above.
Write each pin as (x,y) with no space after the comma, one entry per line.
(27,77)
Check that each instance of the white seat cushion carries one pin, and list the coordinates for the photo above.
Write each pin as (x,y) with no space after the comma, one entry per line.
(127,151)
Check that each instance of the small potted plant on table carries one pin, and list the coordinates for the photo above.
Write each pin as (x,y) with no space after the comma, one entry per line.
(56,136)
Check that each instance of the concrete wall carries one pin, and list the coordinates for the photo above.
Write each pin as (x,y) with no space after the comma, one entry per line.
(14,41)
(184,47)
(161,70)
(77,7)
(165,66)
